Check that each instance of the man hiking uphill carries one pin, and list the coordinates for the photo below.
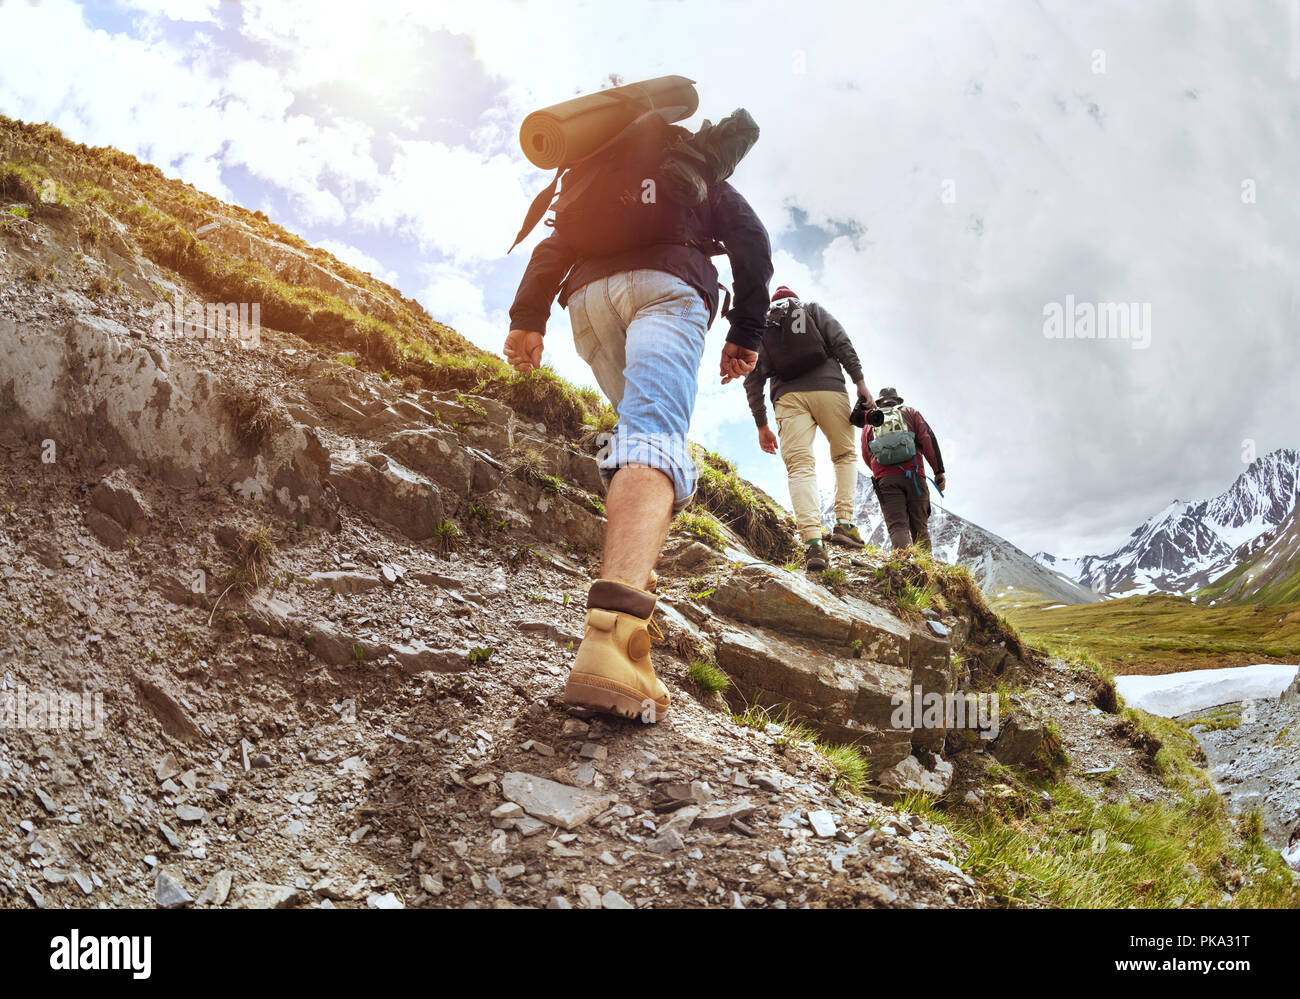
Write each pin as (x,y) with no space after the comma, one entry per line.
(894,445)
(641,292)
(805,353)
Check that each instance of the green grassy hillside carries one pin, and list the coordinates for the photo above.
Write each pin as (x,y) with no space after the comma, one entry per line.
(1164,634)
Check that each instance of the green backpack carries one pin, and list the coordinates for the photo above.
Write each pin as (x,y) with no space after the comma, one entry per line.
(893,443)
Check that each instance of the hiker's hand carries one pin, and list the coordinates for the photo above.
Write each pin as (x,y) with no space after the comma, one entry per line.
(865,393)
(737,362)
(524,350)
(767,440)
(942,483)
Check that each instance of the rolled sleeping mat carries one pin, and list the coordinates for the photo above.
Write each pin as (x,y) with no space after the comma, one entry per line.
(564,133)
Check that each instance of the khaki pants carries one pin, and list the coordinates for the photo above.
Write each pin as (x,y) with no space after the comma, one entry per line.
(799,415)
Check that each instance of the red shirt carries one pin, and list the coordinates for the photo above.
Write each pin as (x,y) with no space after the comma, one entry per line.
(924,446)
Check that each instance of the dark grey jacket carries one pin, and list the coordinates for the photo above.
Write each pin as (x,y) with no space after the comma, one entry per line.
(827,377)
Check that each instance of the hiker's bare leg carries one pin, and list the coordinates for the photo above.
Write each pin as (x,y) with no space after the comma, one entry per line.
(638,508)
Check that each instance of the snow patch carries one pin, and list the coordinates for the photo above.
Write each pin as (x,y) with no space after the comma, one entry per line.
(1174,694)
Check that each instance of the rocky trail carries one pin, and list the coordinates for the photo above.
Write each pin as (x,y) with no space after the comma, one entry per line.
(328,612)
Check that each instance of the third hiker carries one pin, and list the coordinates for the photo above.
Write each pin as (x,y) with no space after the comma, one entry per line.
(893,445)
(805,353)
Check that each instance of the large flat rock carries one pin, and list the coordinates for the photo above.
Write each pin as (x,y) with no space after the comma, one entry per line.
(553,802)
(846,699)
(783,602)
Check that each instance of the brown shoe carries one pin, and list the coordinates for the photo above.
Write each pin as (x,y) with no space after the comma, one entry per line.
(613,672)
(846,536)
(814,557)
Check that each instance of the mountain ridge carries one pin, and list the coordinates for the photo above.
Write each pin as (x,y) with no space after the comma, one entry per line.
(1189,544)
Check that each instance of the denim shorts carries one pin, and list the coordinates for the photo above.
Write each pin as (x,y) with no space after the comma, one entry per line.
(642,332)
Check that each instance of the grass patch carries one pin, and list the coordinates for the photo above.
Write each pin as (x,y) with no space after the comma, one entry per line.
(766,528)
(255,418)
(834,578)
(1180,851)
(707,676)
(447,535)
(1218,719)
(702,527)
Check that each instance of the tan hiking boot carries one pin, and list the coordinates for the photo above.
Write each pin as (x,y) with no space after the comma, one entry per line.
(613,673)
(814,557)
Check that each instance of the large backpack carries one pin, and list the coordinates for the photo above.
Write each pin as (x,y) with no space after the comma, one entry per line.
(614,200)
(792,342)
(893,443)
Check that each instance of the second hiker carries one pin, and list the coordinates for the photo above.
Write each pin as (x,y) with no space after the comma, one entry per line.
(805,353)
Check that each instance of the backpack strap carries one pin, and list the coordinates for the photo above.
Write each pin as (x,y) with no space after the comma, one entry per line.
(537,209)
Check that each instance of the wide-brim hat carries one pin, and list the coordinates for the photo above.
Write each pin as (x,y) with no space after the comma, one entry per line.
(888,397)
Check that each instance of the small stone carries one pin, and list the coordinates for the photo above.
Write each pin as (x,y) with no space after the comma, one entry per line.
(593,751)
(261,760)
(613,900)
(608,858)
(823,824)
(83,882)
(575,727)
(385,901)
(589,896)
(721,816)
(668,842)
(169,893)
(432,883)
(527,826)
(509,810)
(191,813)
(166,767)
(169,835)
(540,748)
(218,889)
(558,902)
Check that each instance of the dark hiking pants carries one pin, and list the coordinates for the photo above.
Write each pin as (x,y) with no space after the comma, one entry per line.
(906,510)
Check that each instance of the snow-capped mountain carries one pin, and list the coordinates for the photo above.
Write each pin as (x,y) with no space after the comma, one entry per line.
(1268,571)
(1187,545)
(1004,572)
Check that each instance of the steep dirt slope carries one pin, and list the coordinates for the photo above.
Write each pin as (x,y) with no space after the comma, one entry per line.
(328,613)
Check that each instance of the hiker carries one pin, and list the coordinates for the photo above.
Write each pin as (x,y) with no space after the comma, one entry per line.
(805,352)
(893,445)
(641,292)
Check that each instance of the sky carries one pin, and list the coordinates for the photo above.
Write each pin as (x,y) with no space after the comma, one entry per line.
(948,179)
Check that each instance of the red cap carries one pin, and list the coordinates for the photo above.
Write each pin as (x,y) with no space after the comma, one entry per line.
(783,292)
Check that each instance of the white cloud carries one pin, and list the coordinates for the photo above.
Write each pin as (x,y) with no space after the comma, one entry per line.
(1123,185)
